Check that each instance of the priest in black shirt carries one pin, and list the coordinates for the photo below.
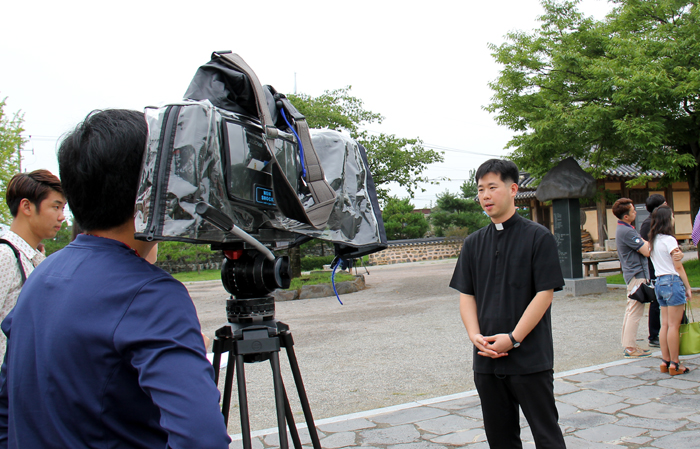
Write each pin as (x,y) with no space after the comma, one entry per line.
(507,273)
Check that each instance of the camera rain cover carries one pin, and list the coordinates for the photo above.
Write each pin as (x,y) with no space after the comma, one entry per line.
(257,175)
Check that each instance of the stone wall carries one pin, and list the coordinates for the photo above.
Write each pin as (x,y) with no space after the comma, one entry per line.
(400,251)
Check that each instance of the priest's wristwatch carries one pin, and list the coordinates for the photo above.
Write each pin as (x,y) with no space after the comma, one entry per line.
(512,340)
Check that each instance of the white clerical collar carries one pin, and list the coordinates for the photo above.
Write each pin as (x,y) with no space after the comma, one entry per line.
(499,226)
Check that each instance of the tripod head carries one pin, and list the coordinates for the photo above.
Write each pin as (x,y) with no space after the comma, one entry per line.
(250,277)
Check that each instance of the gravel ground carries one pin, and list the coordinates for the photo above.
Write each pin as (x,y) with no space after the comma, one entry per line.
(399,340)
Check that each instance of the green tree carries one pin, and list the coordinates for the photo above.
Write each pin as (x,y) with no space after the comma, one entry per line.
(400,222)
(391,158)
(462,215)
(11,142)
(624,90)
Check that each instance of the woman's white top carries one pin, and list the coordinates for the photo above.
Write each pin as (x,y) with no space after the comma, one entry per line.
(661,249)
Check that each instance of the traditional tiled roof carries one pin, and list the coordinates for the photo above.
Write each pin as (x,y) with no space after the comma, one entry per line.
(526,189)
(632,171)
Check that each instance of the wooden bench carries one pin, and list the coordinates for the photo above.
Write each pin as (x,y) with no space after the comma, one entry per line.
(590,267)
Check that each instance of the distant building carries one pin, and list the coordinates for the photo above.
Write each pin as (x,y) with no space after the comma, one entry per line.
(597,217)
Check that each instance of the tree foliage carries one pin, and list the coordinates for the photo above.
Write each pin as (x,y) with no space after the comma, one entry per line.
(624,90)
(11,142)
(400,222)
(458,214)
(391,158)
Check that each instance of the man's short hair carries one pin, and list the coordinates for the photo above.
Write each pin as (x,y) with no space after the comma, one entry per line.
(34,186)
(507,170)
(100,165)
(621,207)
(655,201)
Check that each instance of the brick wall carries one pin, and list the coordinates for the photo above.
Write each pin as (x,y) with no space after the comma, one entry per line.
(416,251)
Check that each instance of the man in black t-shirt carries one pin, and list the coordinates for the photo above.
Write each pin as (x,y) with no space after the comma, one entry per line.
(652,203)
(507,273)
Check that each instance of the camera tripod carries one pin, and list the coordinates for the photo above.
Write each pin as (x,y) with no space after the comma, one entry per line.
(254,335)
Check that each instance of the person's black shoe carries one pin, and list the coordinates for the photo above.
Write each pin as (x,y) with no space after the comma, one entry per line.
(654,343)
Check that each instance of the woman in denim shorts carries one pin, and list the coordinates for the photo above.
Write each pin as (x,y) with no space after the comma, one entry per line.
(672,288)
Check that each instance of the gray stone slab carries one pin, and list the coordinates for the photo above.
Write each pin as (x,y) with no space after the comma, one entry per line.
(448,424)
(418,445)
(653,375)
(584,286)
(238,444)
(474,412)
(614,408)
(691,401)
(564,387)
(584,420)
(646,392)
(338,440)
(347,425)
(461,438)
(625,370)
(609,433)
(653,424)
(655,410)
(678,439)
(658,433)
(611,384)
(573,442)
(410,415)
(638,440)
(637,401)
(406,433)
(457,404)
(694,418)
(274,440)
(565,409)
(590,400)
(586,377)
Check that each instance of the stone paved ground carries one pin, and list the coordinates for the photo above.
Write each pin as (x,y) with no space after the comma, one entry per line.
(620,404)
(400,341)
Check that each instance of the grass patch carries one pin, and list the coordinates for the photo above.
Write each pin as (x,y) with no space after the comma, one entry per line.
(312,279)
(319,278)
(692,269)
(193,276)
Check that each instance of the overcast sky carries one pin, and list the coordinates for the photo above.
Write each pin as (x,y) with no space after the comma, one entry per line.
(424,66)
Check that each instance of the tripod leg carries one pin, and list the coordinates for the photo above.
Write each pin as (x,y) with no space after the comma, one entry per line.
(226,397)
(290,420)
(288,343)
(279,399)
(243,402)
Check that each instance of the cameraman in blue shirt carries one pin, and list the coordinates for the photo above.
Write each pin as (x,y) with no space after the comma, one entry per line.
(104,349)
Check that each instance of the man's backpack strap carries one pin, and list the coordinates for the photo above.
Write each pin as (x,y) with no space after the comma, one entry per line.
(19,260)
(323,194)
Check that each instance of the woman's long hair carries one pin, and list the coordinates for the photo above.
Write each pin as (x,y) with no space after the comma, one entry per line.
(661,223)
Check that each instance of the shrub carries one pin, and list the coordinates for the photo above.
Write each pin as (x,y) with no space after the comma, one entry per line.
(315,262)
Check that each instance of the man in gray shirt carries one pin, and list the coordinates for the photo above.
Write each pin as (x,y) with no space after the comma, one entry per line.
(633,251)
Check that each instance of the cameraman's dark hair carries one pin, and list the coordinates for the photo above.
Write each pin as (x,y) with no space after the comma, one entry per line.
(34,186)
(654,201)
(661,223)
(621,207)
(100,165)
(507,170)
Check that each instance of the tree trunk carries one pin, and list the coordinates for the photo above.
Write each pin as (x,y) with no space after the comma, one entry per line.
(295,262)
